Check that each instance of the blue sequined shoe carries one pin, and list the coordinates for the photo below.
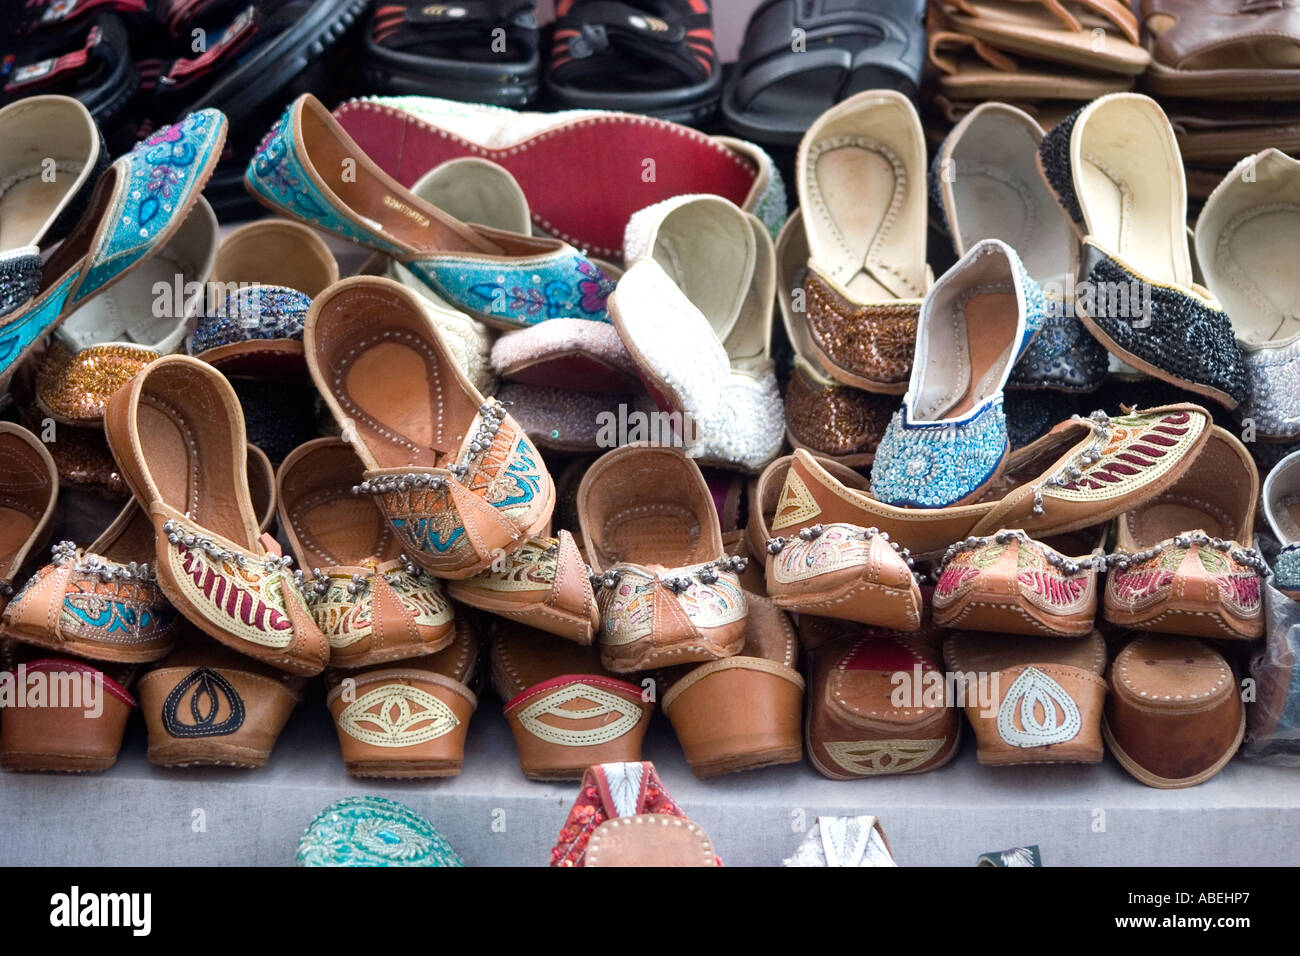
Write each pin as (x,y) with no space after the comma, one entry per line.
(137,206)
(949,439)
(985,184)
(309,168)
(1282,511)
(1117,172)
(373,831)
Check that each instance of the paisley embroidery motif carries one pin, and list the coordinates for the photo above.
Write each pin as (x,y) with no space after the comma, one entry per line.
(209,695)
(347,616)
(1037,712)
(627,609)
(1141,446)
(373,831)
(869,758)
(838,546)
(599,703)
(397,715)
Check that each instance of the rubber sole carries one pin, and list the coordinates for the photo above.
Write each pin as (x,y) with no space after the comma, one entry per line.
(403,74)
(687,105)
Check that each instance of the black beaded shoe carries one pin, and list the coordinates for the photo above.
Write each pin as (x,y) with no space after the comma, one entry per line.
(1116,170)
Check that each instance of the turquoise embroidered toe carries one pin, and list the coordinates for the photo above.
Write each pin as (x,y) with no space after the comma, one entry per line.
(373,831)
(564,284)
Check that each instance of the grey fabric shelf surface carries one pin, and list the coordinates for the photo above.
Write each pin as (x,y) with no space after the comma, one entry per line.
(139,814)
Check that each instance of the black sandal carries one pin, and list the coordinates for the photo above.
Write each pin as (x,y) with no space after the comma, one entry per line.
(801,57)
(645,56)
(89,60)
(480,51)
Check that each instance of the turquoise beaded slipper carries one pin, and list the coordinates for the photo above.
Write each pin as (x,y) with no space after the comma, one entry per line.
(373,831)
(309,168)
(949,440)
(138,205)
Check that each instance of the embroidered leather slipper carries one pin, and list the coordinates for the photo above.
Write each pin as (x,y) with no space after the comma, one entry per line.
(504,279)
(36,213)
(1120,462)
(1183,561)
(743,712)
(971,69)
(1011,583)
(1174,717)
(137,206)
(564,709)
(206,706)
(372,603)
(585,356)
(455,475)
(1242,237)
(408,136)
(644,56)
(1096,34)
(1281,507)
(695,311)
(822,415)
(834,570)
(949,440)
(867,271)
(77,730)
(348,833)
(841,49)
(101,602)
(407,720)
(177,434)
(843,841)
(100,346)
(483,52)
(545,584)
(1116,170)
(1221,49)
(264,278)
(987,186)
(638,822)
(29,490)
(1044,697)
(861,721)
(668,593)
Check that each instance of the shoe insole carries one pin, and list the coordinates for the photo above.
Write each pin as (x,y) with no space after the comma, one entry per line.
(969,360)
(16,527)
(652,532)
(26,206)
(401,428)
(335,527)
(133,310)
(1165,517)
(1260,286)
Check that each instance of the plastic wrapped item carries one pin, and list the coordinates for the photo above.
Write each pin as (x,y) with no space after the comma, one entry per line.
(1273,719)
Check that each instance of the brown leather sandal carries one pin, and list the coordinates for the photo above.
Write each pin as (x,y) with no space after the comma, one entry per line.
(857,724)
(407,720)
(545,584)
(207,706)
(372,603)
(566,711)
(1042,700)
(1175,716)
(668,592)
(455,475)
(177,433)
(29,490)
(743,712)
(77,733)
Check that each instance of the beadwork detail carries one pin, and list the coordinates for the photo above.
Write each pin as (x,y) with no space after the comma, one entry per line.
(934,465)
(873,341)
(1062,355)
(250,314)
(709,595)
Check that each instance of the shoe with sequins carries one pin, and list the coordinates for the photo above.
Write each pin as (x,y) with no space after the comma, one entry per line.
(668,592)
(137,206)
(1246,239)
(1083,472)
(860,174)
(544,584)
(1281,506)
(1010,583)
(694,310)
(37,213)
(985,184)
(310,169)
(29,491)
(1115,168)
(102,344)
(837,569)
(177,434)
(454,474)
(371,601)
(949,440)
(1184,561)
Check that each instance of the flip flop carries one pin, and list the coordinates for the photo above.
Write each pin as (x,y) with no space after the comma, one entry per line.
(802,57)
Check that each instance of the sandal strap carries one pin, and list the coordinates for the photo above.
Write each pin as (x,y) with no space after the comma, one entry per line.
(1180,32)
(946,48)
(99,44)
(406,24)
(1115,11)
(64,11)
(243,28)
(589,37)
